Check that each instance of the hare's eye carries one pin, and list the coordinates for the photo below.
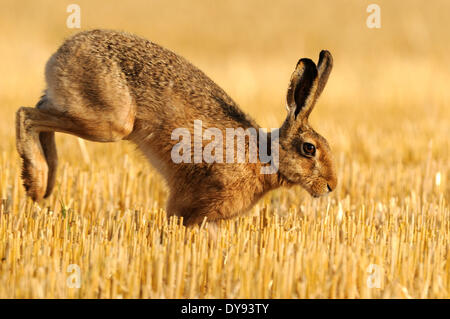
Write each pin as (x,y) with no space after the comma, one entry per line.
(309,149)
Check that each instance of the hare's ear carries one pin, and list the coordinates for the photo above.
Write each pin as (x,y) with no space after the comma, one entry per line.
(301,93)
(324,68)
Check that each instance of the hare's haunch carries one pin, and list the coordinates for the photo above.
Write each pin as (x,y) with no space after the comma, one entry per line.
(107,86)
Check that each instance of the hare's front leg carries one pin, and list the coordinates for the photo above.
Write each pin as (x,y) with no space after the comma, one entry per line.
(194,210)
(193,217)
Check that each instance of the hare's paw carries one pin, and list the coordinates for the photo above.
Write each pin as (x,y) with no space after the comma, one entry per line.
(34,177)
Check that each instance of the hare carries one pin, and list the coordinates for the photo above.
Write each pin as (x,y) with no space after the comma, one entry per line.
(107,86)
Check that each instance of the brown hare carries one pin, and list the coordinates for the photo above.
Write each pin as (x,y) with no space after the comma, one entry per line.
(107,86)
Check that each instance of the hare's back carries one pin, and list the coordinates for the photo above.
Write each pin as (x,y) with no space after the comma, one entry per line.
(98,60)
(107,68)
(87,70)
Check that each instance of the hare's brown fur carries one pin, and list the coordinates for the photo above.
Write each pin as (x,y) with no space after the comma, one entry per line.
(107,86)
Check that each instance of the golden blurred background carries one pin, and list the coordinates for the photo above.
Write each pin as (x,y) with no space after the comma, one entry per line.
(393,79)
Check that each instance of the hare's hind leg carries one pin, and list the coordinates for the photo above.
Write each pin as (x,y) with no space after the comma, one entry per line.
(47,140)
(34,164)
(35,140)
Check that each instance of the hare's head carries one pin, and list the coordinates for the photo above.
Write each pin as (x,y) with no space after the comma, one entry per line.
(305,156)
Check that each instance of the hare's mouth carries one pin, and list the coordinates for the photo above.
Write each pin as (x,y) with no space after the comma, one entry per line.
(316,194)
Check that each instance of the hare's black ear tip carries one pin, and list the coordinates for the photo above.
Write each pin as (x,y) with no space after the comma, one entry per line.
(306,62)
(325,54)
